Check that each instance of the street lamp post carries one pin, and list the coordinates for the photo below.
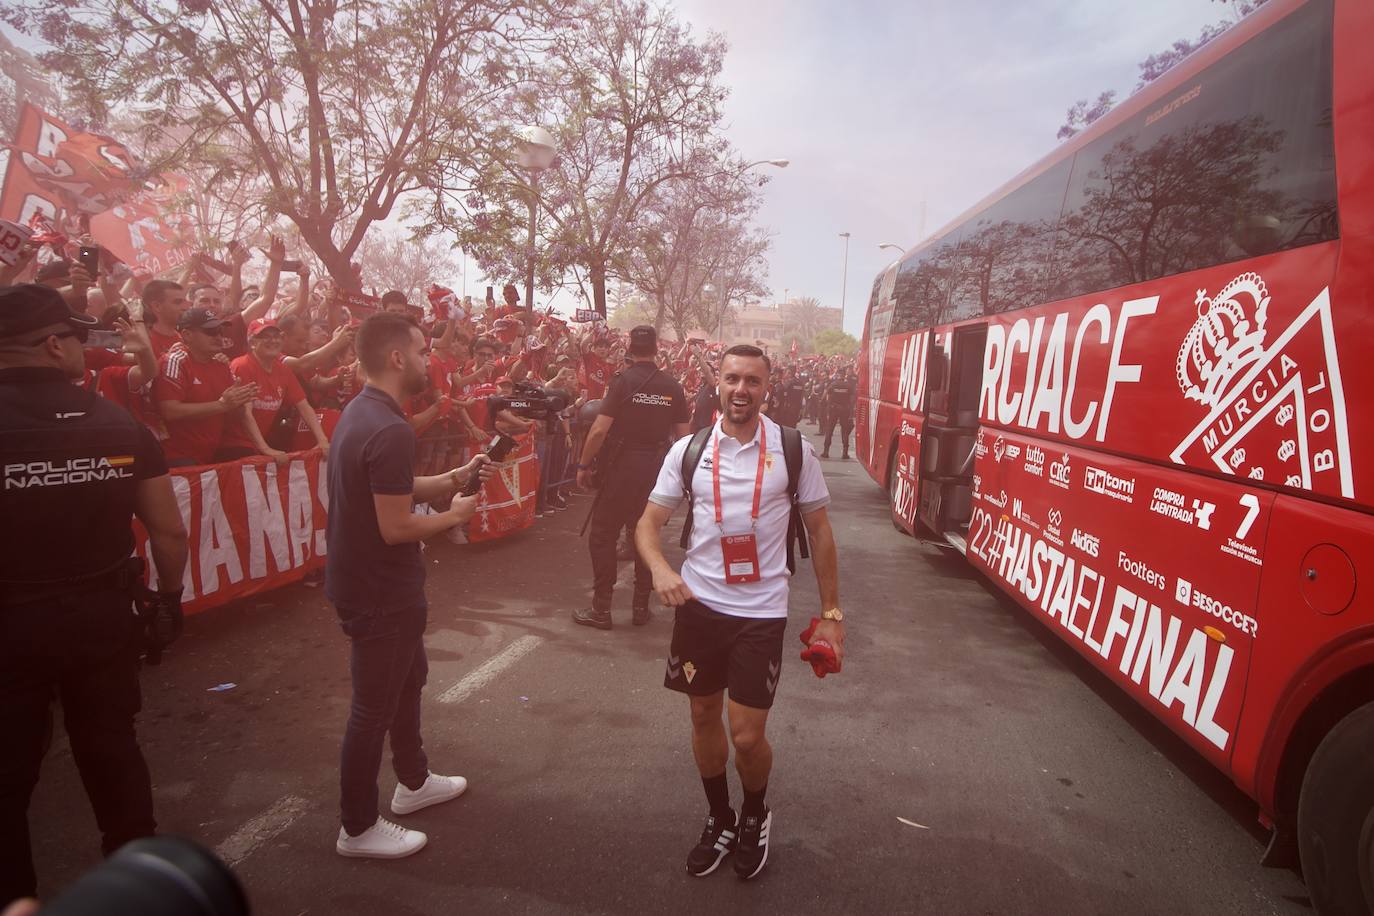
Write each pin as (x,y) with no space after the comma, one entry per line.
(537,153)
(893,245)
(844,277)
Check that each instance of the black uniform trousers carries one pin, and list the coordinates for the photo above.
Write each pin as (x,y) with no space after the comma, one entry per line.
(830,416)
(82,650)
(628,483)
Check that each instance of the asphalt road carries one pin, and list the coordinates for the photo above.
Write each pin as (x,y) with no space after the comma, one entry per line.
(964,762)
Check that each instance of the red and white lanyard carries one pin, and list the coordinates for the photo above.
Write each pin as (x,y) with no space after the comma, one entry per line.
(758,478)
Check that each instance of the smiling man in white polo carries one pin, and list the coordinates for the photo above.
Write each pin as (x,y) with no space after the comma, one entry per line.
(731,597)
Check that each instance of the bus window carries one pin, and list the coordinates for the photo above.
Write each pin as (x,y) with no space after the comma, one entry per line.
(1238,163)
(1004,251)
(921,292)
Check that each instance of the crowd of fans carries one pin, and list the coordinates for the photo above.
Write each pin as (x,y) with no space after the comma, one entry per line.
(220,370)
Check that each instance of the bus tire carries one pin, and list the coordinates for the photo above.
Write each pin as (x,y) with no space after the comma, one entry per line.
(891,481)
(1336,819)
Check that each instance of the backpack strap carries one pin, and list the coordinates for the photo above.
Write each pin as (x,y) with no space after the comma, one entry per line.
(796,530)
(691,457)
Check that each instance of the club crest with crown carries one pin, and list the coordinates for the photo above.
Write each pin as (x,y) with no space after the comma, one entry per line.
(1274,400)
(1227,338)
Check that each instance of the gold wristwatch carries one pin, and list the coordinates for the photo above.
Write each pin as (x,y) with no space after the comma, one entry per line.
(834,614)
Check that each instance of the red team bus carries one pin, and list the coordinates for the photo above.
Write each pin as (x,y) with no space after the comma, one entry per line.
(1130,387)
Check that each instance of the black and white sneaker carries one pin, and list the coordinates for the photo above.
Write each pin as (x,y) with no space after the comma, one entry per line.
(716,842)
(751,853)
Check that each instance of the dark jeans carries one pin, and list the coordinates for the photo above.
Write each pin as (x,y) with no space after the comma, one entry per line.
(621,503)
(846,422)
(554,466)
(82,650)
(389,668)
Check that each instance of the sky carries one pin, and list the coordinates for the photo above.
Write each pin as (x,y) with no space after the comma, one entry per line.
(889,108)
(881,106)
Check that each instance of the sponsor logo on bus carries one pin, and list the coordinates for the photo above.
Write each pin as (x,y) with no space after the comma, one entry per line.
(1140,569)
(1098,480)
(999,448)
(1173,504)
(1051,532)
(1018,511)
(1090,544)
(1188,595)
(1013,451)
(1035,461)
(1059,472)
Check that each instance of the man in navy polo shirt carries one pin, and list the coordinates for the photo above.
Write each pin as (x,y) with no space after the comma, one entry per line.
(376,578)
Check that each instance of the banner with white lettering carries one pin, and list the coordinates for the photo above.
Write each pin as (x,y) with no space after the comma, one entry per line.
(253,526)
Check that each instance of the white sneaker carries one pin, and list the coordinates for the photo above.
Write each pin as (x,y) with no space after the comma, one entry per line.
(435,790)
(383,840)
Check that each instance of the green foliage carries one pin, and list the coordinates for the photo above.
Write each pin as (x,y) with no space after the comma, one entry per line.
(834,342)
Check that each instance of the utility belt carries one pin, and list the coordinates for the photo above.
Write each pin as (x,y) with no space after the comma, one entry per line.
(125,576)
(159,613)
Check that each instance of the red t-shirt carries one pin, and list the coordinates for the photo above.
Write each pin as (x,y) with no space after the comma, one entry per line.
(596,374)
(277,385)
(162,342)
(113,385)
(186,379)
(441,370)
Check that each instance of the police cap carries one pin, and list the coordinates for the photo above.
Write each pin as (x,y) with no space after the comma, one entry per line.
(643,341)
(29,306)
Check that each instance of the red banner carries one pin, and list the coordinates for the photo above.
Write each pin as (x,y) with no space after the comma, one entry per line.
(253,526)
(507,503)
(62,172)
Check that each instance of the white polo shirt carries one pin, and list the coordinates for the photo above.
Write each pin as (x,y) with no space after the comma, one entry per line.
(704,569)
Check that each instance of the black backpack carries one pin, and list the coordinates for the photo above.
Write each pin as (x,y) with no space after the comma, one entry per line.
(792,456)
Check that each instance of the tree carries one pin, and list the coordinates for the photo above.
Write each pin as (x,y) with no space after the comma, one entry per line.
(340,108)
(393,261)
(834,342)
(1081,114)
(801,320)
(633,100)
(688,235)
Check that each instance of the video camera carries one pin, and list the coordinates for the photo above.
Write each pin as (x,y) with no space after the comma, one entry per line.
(531,402)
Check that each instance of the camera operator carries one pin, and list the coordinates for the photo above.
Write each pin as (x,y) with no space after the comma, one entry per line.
(642,414)
(76,467)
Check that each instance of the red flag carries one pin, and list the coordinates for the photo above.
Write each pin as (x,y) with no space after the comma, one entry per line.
(793,351)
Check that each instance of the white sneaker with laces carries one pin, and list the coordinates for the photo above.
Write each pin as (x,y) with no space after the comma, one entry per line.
(383,840)
(435,790)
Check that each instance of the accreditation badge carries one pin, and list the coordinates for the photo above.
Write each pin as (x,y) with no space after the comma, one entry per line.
(741,554)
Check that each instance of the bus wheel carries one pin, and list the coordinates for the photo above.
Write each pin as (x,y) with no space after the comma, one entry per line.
(891,488)
(1336,819)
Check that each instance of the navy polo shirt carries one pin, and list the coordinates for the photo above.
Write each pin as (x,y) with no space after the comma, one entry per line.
(372,451)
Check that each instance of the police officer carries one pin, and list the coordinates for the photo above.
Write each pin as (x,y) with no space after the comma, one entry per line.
(838,408)
(643,412)
(793,399)
(74,468)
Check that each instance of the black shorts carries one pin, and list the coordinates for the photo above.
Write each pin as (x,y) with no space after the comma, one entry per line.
(713,651)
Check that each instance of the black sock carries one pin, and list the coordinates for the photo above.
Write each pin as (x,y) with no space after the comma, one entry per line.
(718,795)
(753,802)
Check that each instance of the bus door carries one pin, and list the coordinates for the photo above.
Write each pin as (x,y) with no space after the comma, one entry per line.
(954,375)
